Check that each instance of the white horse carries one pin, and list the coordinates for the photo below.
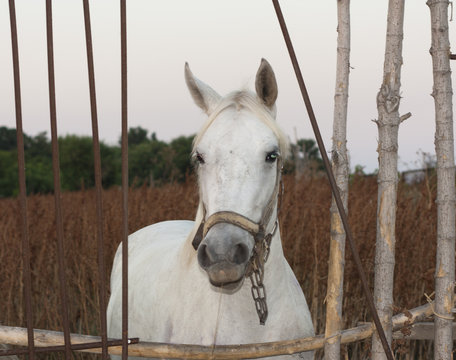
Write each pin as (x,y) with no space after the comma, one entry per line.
(192,282)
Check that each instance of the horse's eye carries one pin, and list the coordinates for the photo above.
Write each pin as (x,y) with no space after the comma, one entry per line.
(272,156)
(199,158)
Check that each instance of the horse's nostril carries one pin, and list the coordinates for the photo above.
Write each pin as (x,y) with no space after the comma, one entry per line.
(203,256)
(239,254)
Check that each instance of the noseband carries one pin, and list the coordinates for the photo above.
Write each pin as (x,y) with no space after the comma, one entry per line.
(260,253)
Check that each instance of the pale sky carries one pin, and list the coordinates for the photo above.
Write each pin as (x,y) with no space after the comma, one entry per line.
(223,41)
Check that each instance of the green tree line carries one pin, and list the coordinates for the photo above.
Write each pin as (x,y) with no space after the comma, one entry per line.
(151,161)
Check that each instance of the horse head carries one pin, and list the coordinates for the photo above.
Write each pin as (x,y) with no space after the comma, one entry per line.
(238,154)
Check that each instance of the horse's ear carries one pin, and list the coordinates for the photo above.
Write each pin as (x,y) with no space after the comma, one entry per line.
(203,95)
(266,85)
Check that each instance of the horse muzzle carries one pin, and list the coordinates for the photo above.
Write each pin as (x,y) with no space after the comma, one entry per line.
(224,254)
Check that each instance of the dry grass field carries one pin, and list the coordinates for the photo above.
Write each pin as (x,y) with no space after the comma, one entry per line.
(305,232)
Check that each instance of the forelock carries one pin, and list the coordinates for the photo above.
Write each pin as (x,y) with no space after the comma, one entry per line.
(246,99)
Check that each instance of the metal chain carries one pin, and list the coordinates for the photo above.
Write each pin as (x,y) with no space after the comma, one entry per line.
(259,257)
(258,290)
(255,271)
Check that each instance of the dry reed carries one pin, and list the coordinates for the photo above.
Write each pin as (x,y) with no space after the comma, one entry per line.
(305,233)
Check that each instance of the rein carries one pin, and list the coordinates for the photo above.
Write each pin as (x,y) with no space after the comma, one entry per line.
(261,249)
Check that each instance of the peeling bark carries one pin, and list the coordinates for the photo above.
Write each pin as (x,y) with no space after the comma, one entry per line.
(334,295)
(444,147)
(388,100)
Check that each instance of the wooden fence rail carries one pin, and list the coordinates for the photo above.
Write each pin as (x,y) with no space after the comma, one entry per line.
(18,336)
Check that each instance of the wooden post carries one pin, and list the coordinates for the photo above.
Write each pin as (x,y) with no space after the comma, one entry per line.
(339,158)
(444,147)
(388,100)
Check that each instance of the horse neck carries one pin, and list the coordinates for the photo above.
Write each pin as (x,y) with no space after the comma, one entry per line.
(187,254)
(276,257)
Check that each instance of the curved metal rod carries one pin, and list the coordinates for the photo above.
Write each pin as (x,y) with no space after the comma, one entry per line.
(57,187)
(98,179)
(332,181)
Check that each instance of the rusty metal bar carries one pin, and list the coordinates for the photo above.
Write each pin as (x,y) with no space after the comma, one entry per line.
(332,181)
(27,278)
(123,32)
(98,184)
(75,347)
(56,174)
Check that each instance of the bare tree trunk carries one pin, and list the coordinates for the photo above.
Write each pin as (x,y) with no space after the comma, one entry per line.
(444,147)
(388,100)
(339,159)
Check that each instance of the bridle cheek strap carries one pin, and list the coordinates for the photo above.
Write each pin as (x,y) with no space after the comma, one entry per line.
(255,229)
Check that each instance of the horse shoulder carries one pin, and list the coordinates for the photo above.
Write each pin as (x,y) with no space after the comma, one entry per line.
(288,309)
(151,251)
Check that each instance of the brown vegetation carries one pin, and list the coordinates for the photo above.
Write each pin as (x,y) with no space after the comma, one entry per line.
(305,233)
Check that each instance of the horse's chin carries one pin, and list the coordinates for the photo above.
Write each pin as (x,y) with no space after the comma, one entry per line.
(228,287)
(226,277)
